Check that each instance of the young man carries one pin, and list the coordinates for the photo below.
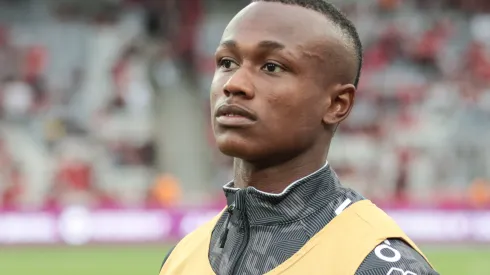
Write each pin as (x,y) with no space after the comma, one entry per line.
(286,76)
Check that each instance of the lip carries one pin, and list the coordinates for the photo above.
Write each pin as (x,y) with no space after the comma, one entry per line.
(232,115)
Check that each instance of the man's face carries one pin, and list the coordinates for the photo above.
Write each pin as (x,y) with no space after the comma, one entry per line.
(270,89)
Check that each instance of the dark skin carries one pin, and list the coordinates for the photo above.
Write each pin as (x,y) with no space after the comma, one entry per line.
(291,69)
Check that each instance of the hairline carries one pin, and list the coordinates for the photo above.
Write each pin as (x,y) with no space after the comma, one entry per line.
(345,36)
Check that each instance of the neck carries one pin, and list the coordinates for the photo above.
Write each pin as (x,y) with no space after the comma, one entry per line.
(275,178)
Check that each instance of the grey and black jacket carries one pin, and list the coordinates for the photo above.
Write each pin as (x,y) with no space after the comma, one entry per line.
(259,231)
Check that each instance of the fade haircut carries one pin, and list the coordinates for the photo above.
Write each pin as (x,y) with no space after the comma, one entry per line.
(338,18)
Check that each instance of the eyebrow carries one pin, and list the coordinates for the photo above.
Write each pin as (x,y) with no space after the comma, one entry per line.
(271,45)
(263,45)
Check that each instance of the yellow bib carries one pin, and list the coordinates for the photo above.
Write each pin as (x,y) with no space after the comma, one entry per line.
(338,249)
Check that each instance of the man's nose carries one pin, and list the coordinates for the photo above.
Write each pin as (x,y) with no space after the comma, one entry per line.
(239,84)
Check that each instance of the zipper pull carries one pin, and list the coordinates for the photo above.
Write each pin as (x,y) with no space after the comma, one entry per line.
(227,222)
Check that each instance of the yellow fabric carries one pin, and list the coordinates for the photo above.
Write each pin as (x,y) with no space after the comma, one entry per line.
(338,249)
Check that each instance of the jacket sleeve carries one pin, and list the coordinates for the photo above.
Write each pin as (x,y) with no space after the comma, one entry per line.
(395,257)
(166,257)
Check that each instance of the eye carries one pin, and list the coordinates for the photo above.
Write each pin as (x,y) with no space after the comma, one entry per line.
(227,64)
(272,68)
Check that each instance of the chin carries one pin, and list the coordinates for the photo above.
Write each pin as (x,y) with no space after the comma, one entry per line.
(239,147)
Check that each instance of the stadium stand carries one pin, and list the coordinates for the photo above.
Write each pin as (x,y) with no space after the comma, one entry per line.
(78,87)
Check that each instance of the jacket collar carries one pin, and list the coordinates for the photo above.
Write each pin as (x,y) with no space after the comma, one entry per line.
(292,204)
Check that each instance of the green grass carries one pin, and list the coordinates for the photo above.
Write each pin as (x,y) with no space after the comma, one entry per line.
(88,260)
(460,260)
(141,260)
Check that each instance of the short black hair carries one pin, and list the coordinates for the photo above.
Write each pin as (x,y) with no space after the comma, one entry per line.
(338,18)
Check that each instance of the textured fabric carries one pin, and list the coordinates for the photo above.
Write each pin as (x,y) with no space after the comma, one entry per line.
(339,248)
(410,261)
(264,230)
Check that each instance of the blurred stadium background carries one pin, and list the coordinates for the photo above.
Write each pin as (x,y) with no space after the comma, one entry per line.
(106,156)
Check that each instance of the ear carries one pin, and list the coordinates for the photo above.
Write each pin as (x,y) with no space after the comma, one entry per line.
(341,99)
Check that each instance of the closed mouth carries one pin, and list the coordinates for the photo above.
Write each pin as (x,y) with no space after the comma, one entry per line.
(232,110)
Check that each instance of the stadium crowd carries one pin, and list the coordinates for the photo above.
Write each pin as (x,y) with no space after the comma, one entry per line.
(78,132)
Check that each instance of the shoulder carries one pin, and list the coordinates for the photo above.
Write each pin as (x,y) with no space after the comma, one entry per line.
(201,233)
(195,239)
(395,257)
(166,257)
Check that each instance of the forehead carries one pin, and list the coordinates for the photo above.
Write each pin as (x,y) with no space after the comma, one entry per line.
(293,26)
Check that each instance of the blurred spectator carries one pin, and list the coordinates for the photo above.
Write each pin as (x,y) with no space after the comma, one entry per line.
(480,193)
(477,63)
(17,99)
(73,184)
(10,56)
(166,191)
(14,190)
(431,44)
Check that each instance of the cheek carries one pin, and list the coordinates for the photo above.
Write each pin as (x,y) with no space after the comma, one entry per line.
(294,117)
(216,87)
(213,96)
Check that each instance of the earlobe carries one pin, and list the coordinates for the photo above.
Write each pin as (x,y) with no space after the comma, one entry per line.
(341,102)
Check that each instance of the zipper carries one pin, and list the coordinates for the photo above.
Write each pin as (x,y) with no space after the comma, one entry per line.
(244,245)
(224,236)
